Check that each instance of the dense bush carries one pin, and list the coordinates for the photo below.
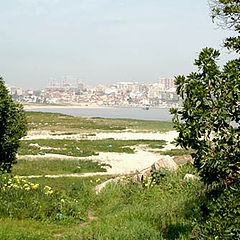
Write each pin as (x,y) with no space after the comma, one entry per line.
(221,215)
(209,120)
(12,128)
(209,124)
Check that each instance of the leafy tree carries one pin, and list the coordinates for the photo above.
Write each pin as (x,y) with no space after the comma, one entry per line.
(209,123)
(227,14)
(209,119)
(12,128)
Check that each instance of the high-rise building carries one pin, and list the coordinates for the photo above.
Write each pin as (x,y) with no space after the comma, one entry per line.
(166,83)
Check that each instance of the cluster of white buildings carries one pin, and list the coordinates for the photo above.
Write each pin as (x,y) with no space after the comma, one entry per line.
(124,94)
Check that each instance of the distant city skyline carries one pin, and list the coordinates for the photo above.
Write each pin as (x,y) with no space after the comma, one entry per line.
(161,94)
(103,41)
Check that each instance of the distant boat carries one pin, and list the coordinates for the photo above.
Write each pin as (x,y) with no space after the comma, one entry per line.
(146,107)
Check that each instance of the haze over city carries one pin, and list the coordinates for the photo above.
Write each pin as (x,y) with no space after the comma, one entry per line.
(102,41)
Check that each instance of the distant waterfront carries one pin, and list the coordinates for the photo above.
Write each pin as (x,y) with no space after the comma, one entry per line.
(159,114)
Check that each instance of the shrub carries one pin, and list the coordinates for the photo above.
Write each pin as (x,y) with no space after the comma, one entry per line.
(209,124)
(12,128)
(221,216)
(209,120)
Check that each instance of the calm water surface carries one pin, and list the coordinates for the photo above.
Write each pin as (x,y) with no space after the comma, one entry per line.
(160,114)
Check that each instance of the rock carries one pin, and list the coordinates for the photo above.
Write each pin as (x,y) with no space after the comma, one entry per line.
(180,160)
(190,177)
(166,162)
(99,187)
(137,178)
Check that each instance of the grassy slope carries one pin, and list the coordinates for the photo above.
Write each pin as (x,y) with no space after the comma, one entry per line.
(130,211)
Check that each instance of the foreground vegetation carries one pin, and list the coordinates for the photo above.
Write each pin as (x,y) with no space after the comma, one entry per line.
(127,210)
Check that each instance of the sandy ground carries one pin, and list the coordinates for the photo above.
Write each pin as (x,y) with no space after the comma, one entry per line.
(122,163)
(168,136)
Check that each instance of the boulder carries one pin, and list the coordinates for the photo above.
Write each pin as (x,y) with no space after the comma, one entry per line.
(166,162)
(180,160)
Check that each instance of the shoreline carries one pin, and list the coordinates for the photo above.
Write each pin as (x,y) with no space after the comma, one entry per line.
(76,106)
(68,106)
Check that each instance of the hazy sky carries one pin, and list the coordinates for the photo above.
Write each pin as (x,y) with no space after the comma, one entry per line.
(102,41)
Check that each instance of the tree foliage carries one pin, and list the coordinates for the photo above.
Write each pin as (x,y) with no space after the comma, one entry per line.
(209,123)
(209,119)
(227,12)
(12,128)
(227,15)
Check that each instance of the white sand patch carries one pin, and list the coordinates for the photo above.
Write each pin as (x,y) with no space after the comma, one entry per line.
(122,163)
(168,136)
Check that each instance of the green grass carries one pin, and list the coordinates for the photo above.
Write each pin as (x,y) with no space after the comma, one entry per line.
(23,199)
(83,148)
(162,212)
(43,166)
(56,122)
(176,152)
(124,211)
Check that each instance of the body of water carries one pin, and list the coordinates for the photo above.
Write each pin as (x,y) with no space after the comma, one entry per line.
(159,114)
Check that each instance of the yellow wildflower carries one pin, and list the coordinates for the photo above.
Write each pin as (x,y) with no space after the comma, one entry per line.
(35,186)
(15,186)
(49,192)
(47,188)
